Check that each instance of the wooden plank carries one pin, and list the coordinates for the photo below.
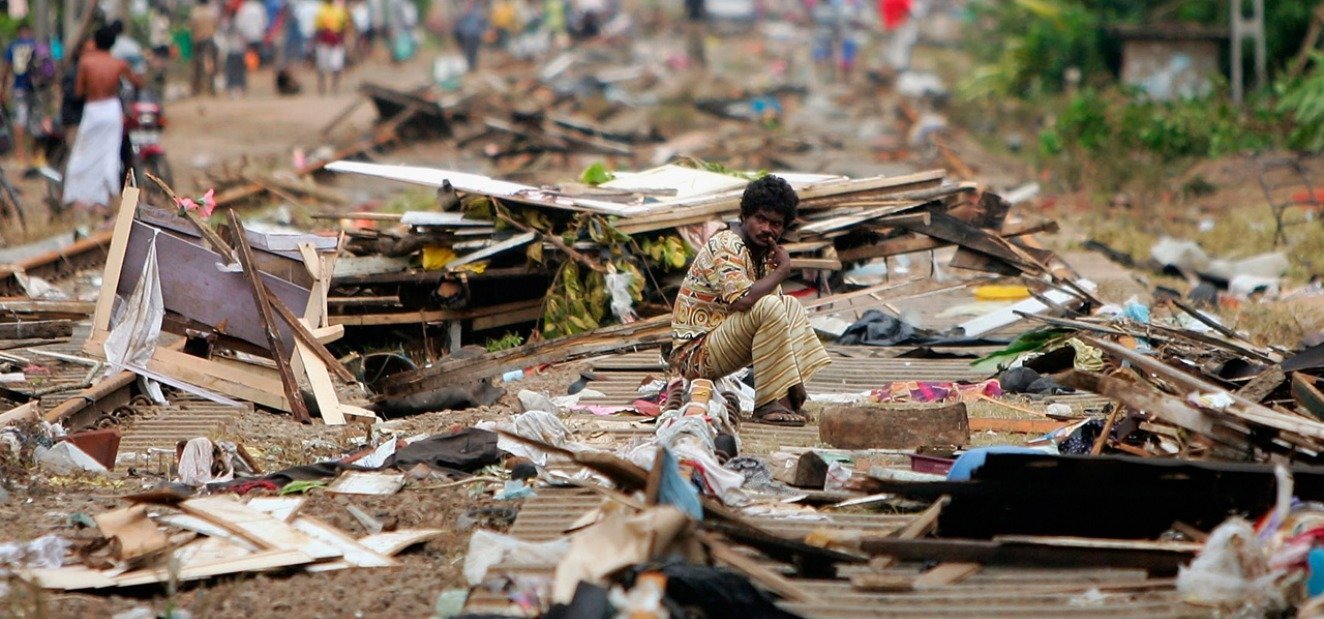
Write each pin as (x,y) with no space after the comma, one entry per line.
(722,553)
(1017,426)
(110,276)
(492,312)
(825,264)
(1307,395)
(946,574)
(36,329)
(260,299)
(284,508)
(647,333)
(34,306)
(358,482)
(354,554)
(506,245)
(307,341)
(30,410)
(210,529)
(324,392)
(259,561)
(503,319)
(258,527)
(391,543)
(213,376)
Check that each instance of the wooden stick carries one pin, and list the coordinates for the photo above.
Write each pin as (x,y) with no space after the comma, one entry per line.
(1107,429)
(308,339)
(298,408)
(216,241)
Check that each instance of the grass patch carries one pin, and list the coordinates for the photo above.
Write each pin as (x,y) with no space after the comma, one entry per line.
(1281,323)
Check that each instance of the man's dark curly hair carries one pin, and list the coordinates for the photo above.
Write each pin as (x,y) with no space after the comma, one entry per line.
(772,193)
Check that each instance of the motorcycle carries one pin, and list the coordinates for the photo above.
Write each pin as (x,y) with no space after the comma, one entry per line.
(144,125)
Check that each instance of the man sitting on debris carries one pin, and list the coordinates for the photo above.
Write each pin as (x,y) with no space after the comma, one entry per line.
(730,311)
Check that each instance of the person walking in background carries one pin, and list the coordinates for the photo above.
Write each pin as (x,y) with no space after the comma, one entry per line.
(24,59)
(251,23)
(93,175)
(470,29)
(158,43)
(233,47)
(332,24)
(696,18)
(204,20)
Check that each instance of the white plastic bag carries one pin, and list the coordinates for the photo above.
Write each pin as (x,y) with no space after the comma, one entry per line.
(488,548)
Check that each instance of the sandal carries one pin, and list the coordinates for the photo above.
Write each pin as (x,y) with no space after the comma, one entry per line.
(776,414)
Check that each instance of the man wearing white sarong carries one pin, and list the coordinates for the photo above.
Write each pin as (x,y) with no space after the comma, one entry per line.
(93,175)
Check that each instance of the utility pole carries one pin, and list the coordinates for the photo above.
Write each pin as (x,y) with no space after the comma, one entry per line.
(1244,27)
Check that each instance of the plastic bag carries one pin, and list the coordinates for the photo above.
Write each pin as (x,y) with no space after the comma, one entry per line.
(488,548)
(1232,570)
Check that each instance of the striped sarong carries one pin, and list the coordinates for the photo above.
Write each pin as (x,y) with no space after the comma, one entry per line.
(774,336)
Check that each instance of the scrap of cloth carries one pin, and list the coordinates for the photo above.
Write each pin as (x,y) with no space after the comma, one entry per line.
(94,165)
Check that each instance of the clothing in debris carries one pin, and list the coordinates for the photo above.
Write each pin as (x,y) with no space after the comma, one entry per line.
(875,328)
(1026,380)
(468,450)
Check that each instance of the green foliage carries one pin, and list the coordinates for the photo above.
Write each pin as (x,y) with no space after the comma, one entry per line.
(713,166)
(596,174)
(1109,137)
(1032,44)
(1028,45)
(505,342)
(1303,101)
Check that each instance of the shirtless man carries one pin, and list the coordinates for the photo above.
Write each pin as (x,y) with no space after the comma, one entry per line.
(93,175)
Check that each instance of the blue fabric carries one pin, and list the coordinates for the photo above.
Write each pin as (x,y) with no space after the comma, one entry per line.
(21,55)
(676,490)
(970,461)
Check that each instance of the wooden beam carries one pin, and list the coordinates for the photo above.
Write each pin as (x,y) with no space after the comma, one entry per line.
(33,306)
(421,316)
(46,329)
(306,338)
(110,276)
(282,356)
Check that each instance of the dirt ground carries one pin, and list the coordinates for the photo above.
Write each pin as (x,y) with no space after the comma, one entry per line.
(208,132)
(38,506)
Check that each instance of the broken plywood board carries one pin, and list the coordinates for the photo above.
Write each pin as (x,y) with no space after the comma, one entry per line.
(284,508)
(386,544)
(353,553)
(256,526)
(355,482)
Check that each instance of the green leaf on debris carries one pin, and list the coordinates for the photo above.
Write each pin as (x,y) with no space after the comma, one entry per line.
(596,174)
(506,342)
(1026,342)
(301,487)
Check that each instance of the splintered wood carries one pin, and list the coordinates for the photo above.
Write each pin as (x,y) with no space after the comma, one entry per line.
(231,537)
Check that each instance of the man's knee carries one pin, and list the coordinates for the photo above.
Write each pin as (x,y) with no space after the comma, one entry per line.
(770,308)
